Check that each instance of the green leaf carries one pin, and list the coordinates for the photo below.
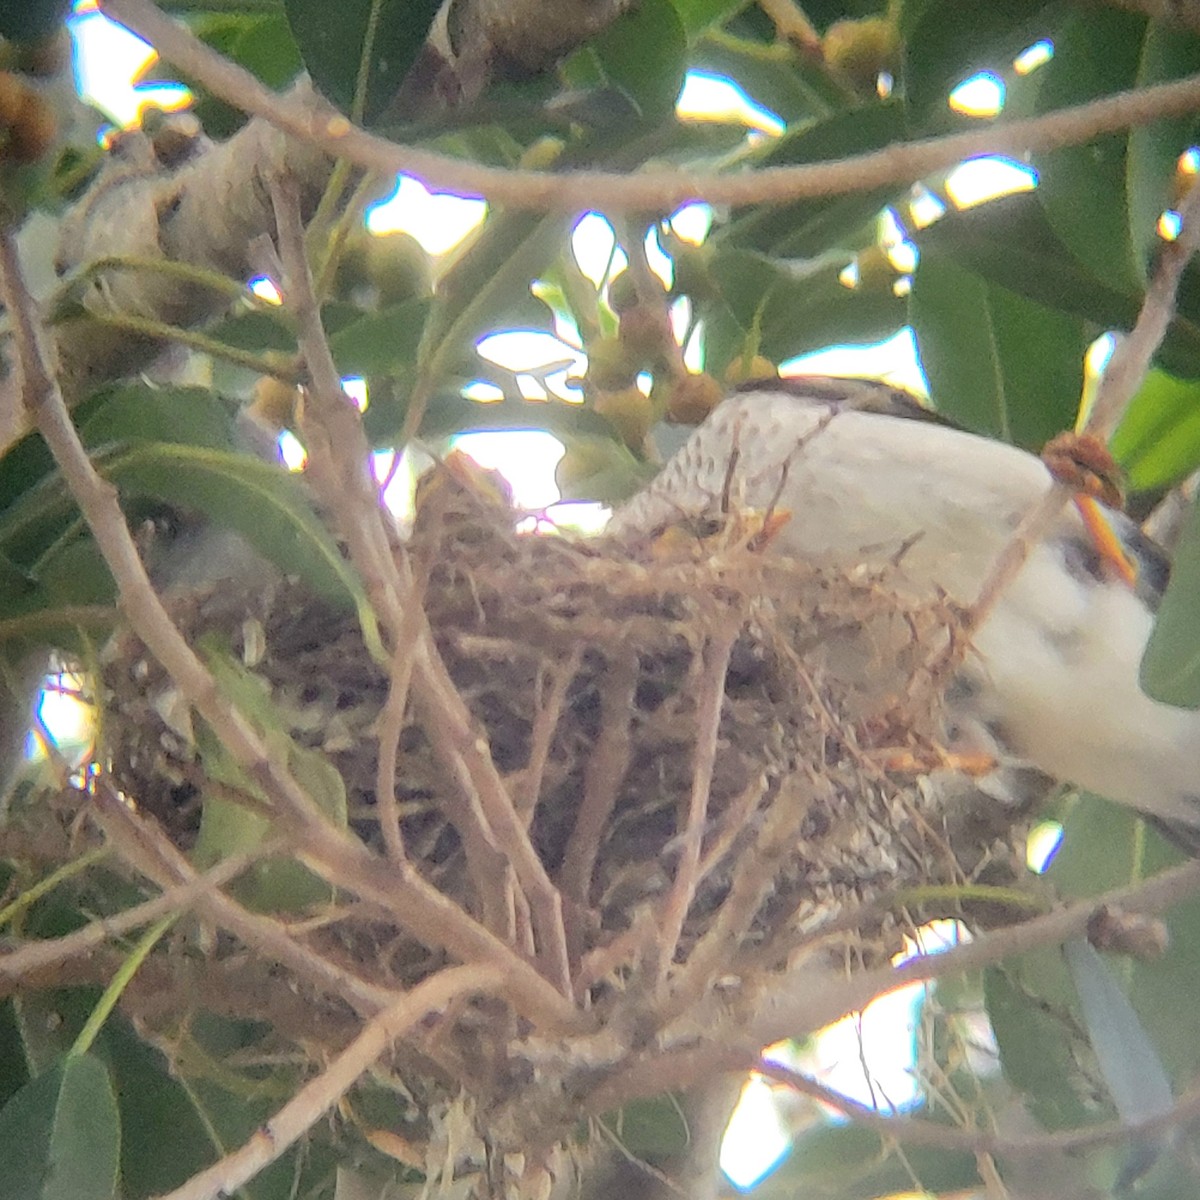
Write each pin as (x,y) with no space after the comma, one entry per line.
(1158,440)
(948,41)
(793,91)
(257,330)
(261,42)
(795,311)
(157,1111)
(139,412)
(1029,1002)
(29,460)
(810,227)
(1171,666)
(39,507)
(488,276)
(14,1071)
(1106,846)
(997,363)
(227,827)
(1153,150)
(697,15)
(651,1129)
(268,507)
(1010,242)
(642,53)
(1082,188)
(381,343)
(333,38)
(850,1162)
(1129,1062)
(60,1135)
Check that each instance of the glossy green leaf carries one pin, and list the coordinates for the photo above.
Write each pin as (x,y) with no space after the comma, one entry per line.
(1082,188)
(1158,440)
(642,53)
(697,15)
(791,90)
(1129,1063)
(138,412)
(809,227)
(383,342)
(333,37)
(1153,150)
(60,1135)
(1029,1003)
(794,311)
(997,363)
(488,276)
(1010,242)
(948,41)
(1171,666)
(268,507)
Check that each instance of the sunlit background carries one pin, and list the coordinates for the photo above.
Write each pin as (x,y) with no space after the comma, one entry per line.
(870,1056)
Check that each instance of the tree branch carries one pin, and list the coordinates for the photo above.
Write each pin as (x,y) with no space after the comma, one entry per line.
(320,125)
(319,1095)
(734,1038)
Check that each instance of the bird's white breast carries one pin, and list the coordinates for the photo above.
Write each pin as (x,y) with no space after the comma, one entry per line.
(1059,654)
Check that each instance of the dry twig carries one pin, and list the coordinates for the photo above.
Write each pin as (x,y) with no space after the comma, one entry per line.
(649,190)
(320,1094)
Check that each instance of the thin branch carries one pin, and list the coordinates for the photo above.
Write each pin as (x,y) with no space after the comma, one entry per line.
(489,819)
(35,956)
(319,1095)
(143,844)
(917,1132)
(775,843)
(709,703)
(465,753)
(419,907)
(339,453)
(389,727)
(541,740)
(792,25)
(1133,355)
(137,599)
(607,765)
(321,126)
(811,999)
(1124,375)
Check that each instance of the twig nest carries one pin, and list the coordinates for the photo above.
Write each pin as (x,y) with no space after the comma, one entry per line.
(598,674)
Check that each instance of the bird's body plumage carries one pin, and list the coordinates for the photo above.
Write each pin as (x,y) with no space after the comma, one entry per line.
(1052,675)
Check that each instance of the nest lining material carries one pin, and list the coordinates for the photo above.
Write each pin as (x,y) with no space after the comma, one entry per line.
(585,666)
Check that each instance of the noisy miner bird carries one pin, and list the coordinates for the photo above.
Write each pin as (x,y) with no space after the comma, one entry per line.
(1051,676)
